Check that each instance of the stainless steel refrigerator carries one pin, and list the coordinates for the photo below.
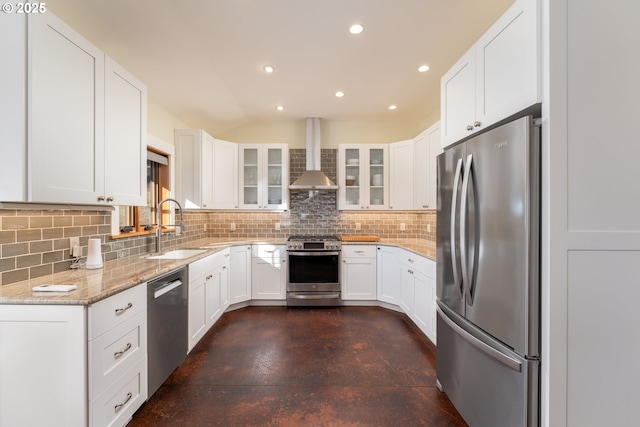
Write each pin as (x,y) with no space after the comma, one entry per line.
(488,292)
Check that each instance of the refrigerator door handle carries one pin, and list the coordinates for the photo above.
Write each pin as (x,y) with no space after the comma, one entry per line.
(467,268)
(506,360)
(454,206)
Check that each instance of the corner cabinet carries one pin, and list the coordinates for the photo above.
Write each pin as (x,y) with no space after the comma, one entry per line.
(194,168)
(363,176)
(87,134)
(499,76)
(264,176)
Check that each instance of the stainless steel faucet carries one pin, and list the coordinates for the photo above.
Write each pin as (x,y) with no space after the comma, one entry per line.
(159,222)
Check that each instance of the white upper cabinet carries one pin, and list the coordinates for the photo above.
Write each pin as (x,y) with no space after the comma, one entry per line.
(206,170)
(194,168)
(426,177)
(225,174)
(66,122)
(13,108)
(497,77)
(402,170)
(363,176)
(264,176)
(85,120)
(125,150)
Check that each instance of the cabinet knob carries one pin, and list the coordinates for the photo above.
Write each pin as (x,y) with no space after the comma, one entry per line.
(425,206)
(469,127)
(101,199)
(110,199)
(477,124)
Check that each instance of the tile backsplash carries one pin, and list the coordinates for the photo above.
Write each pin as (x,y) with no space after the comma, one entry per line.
(35,243)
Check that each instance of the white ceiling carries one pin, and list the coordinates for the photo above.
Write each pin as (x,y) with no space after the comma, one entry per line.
(202,59)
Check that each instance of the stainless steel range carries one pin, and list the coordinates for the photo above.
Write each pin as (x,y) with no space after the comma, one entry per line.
(313,272)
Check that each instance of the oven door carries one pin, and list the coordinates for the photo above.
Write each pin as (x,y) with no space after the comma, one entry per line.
(313,271)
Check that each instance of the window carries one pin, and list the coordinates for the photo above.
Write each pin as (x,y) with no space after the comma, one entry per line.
(142,219)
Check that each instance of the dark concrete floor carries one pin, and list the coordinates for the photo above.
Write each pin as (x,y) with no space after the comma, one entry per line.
(278,366)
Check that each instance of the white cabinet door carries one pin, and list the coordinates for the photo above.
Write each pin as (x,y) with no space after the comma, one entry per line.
(194,168)
(268,272)
(264,176)
(43,361)
(212,296)
(197,310)
(457,99)
(507,64)
(13,108)
(240,274)
(125,137)
(423,303)
(434,149)
(407,290)
(401,171)
(363,176)
(66,123)
(225,175)
(388,274)
(358,274)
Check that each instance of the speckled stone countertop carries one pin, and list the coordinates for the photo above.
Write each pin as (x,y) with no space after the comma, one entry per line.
(121,274)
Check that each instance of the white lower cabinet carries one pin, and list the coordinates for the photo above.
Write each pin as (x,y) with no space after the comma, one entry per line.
(208,293)
(358,274)
(268,272)
(417,298)
(43,365)
(388,274)
(117,357)
(240,274)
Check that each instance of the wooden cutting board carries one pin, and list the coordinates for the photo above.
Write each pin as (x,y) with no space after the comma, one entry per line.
(359,238)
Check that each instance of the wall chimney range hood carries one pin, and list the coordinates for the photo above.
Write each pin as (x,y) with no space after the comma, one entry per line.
(313,178)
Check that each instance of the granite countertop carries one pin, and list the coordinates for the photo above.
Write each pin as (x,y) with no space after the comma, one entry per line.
(121,274)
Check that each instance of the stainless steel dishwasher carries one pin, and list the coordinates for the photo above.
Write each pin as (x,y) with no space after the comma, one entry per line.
(167,327)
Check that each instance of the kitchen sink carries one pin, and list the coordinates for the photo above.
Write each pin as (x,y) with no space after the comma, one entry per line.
(178,254)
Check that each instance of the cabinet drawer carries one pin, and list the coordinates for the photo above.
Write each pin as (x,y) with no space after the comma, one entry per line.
(118,403)
(115,352)
(201,267)
(418,263)
(268,251)
(359,251)
(116,309)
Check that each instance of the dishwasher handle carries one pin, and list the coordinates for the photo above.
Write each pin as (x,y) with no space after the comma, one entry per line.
(167,287)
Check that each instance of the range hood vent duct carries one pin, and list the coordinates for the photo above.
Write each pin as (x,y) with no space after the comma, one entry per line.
(313,178)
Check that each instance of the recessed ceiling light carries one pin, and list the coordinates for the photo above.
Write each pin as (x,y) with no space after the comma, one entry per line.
(356,29)
(339,94)
(279,108)
(423,68)
(392,107)
(268,68)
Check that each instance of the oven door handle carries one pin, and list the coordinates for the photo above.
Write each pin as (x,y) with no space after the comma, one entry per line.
(314,253)
(313,296)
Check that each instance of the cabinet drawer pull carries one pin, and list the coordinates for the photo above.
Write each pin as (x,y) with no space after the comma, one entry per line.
(410,260)
(469,127)
(120,405)
(121,352)
(122,310)
(410,271)
(477,124)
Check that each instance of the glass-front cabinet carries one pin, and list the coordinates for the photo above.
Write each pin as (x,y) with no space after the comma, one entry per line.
(264,176)
(363,176)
